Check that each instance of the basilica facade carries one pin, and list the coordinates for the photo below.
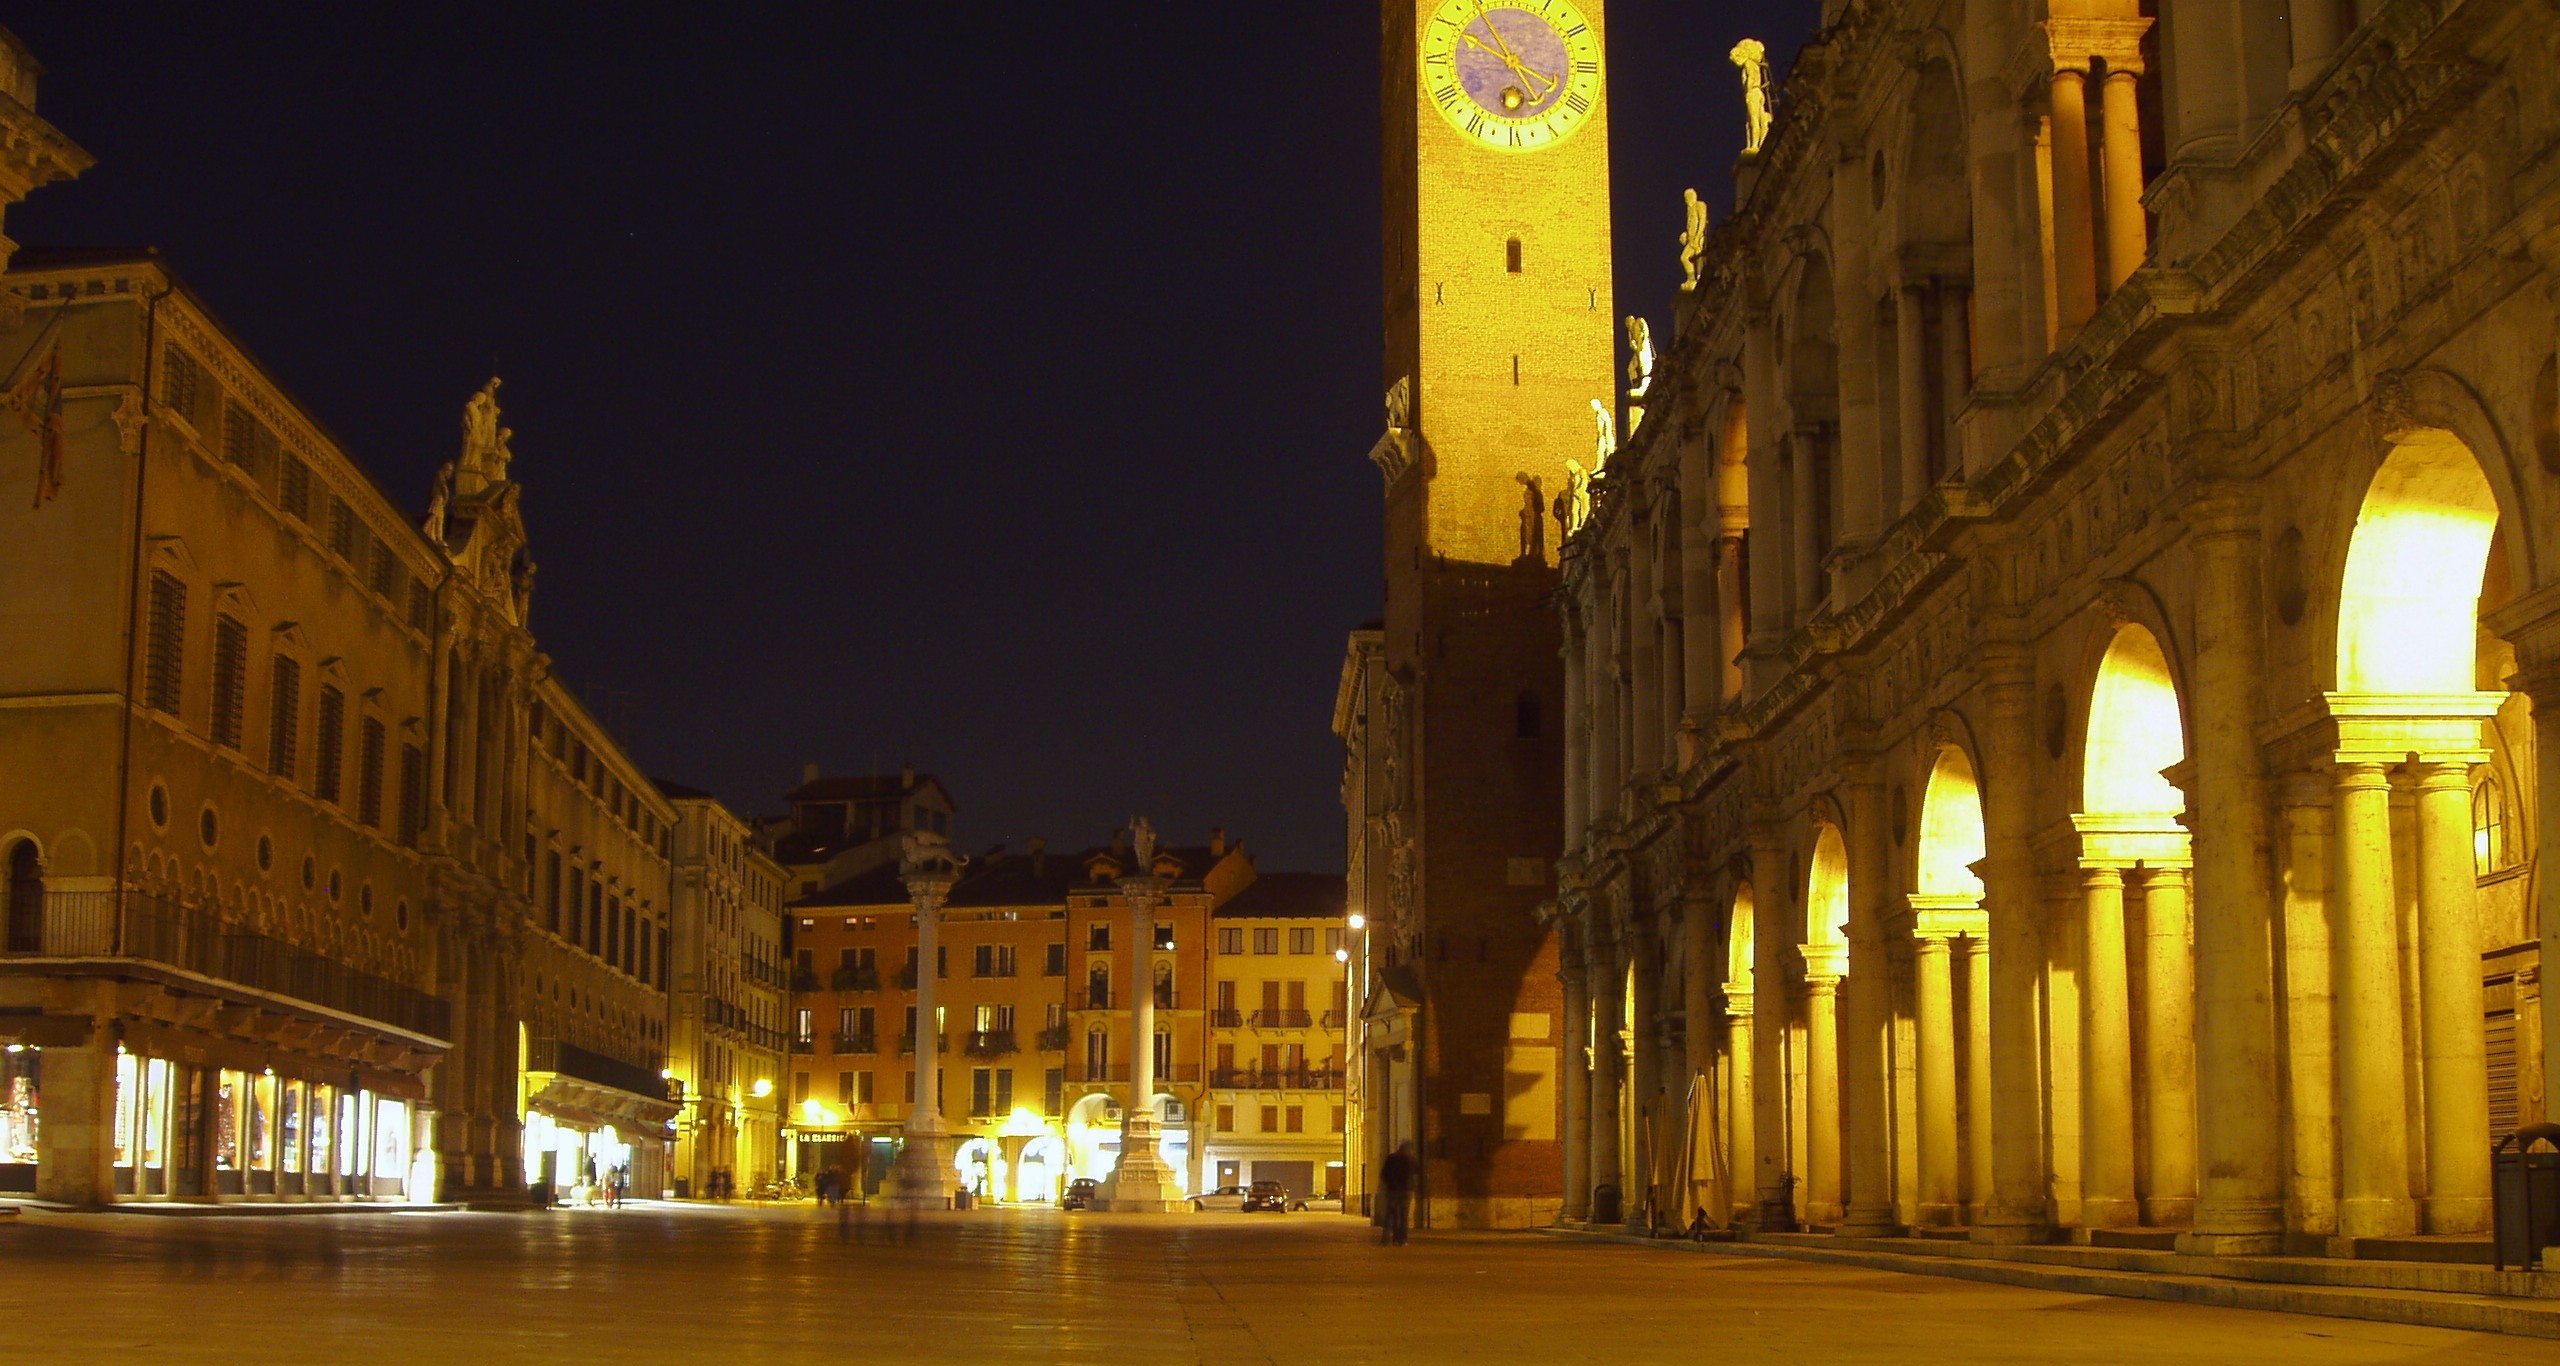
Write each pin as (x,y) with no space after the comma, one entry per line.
(2055,678)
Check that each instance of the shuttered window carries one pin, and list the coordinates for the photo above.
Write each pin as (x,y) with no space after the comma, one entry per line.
(164,669)
(2503,1098)
(413,794)
(230,680)
(422,607)
(369,766)
(342,530)
(329,749)
(293,488)
(284,715)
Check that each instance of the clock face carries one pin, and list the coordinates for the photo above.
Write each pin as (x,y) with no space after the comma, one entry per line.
(1513,76)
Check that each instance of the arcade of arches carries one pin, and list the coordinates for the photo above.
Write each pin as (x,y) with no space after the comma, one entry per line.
(2065,680)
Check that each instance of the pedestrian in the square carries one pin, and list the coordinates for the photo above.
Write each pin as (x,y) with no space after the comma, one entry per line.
(1395,1186)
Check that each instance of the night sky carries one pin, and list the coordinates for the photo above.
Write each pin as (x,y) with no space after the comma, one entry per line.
(980,387)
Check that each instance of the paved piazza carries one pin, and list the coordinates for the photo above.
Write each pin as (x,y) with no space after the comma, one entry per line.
(654,1282)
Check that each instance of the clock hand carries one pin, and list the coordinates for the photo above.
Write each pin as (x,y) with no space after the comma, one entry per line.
(1528,75)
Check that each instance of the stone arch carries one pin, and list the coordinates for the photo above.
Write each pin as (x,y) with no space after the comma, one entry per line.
(22,889)
(1951,832)
(2136,728)
(1740,943)
(1826,898)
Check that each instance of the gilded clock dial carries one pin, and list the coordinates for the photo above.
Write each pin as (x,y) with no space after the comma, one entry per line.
(1517,76)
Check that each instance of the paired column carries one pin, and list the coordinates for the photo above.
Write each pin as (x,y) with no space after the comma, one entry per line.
(2075,250)
(1698,1021)
(2452,1031)
(1977,1077)
(2168,1049)
(1770,906)
(2373,1139)
(1607,1005)
(2106,1041)
(2128,232)
(1824,965)
(1577,1080)
(1741,1115)
(1934,990)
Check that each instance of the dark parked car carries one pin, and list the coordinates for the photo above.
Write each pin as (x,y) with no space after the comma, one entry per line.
(1082,1193)
(1270,1195)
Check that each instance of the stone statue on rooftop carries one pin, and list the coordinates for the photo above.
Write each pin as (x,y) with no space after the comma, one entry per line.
(1693,239)
(1639,357)
(481,435)
(1573,506)
(1754,61)
(1533,517)
(439,496)
(1604,436)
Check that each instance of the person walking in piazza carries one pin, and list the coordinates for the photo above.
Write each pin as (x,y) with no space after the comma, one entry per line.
(1395,1182)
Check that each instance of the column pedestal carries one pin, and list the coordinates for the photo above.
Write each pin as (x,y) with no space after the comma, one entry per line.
(922,1177)
(1141,1183)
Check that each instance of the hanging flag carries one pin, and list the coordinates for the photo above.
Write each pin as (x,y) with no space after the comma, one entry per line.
(37,400)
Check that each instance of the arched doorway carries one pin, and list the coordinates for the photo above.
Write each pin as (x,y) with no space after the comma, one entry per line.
(26,898)
(1946,912)
(1825,954)
(2137,981)
(2412,722)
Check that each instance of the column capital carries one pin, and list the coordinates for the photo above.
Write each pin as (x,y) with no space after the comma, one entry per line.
(1737,1004)
(1825,963)
(2117,42)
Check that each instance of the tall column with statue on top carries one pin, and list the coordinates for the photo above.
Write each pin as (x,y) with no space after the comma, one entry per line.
(923,1177)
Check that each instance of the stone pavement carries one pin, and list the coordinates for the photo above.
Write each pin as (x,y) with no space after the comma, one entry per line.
(659,1282)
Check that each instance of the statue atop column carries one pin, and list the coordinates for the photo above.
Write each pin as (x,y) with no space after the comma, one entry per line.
(1573,505)
(1639,369)
(482,440)
(439,497)
(1693,240)
(1604,436)
(1142,838)
(1533,517)
(1754,61)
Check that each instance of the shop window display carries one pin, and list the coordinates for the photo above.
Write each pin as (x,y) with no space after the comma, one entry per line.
(19,1083)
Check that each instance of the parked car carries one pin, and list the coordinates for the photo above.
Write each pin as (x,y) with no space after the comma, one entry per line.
(1229,1199)
(1270,1195)
(1082,1193)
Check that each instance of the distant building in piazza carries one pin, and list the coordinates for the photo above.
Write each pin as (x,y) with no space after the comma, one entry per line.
(727,998)
(1277,1021)
(286,775)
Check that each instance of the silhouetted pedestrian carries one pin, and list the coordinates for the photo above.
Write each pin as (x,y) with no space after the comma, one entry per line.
(1395,1188)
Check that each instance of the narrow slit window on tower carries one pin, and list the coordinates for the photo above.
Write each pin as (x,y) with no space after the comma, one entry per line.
(1515,370)
(1511,255)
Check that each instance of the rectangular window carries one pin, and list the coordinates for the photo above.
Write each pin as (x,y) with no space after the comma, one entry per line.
(551,895)
(1164,935)
(862,1088)
(804,1023)
(845,1086)
(293,488)
(329,743)
(983,961)
(1226,1119)
(1055,964)
(1296,1119)
(389,575)
(1270,1119)
(1004,1092)
(284,714)
(342,529)
(369,774)
(846,1019)
(165,669)
(1231,939)
(182,382)
(422,607)
(911,1084)
(595,914)
(1266,941)
(1097,939)
(942,960)
(1302,940)
(981,1091)
(612,926)
(1341,1119)
(240,438)
(413,802)
(648,960)
(1056,1098)
(799,1087)
(230,679)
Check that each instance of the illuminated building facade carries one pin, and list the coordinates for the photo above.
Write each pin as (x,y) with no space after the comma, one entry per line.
(2058,684)
(1278,1007)
(727,998)
(284,765)
(1499,350)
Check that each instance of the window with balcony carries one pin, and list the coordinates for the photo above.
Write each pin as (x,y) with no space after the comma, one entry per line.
(1097,938)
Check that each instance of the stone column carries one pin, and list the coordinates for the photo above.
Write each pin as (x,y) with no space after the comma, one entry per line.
(2128,232)
(922,1177)
(1699,1019)
(1823,965)
(1577,759)
(2453,1034)
(1741,1116)
(1142,1183)
(2074,232)
(76,1143)
(2204,79)
(1731,633)
(1607,1078)
(2373,1139)
(1577,1079)
(1911,366)
(1977,1079)
(2311,1186)
(1769,941)
(1868,1007)
(2004,236)
(2168,1049)
(2238,1143)
(1933,988)
(1645,1104)
(2319,26)
(2016,1210)
(2106,1041)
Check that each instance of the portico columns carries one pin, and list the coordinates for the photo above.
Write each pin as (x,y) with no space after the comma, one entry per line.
(2074,235)
(2168,1049)
(1769,904)
(1741,1116)
(1607,1004)
(1977,1077)
(1577,1079)
(2373,1144)
(1823,968)
(2128,232)
(2238,1144)
(922,1177)
(2452,1029)
(1698,1018)
(1645,1050)
(2014,1208)
(2106,1041)
(1933,988)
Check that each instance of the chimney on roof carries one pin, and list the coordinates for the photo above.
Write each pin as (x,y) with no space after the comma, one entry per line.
(1039,854)
(1218,841)
(808,773)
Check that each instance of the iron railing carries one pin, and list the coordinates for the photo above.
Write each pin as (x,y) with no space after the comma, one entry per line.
(1281,1019)
(569,1060)
(158,929)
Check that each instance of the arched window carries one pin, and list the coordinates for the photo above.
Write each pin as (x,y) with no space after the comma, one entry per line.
(1098,988)
(2489,851)
(25,893)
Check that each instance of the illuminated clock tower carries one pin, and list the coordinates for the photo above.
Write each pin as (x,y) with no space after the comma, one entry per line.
(1499,337)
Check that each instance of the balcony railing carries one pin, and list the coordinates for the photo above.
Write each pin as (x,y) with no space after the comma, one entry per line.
(992,1043)
(856,1043)
(804,1045)
(161,930)
(1226,1019)
(907,978)
(568,1059)
(804,979)
(1097,998)
(1053,1039)
(1280,1019)
(1278,1078)
(1334,1019)
(852,978)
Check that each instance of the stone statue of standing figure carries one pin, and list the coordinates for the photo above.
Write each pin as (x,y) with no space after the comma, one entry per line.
(1533,517)
(1604,437)
(1754,61)
(481,437)
(1573,506)
(1693,239)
